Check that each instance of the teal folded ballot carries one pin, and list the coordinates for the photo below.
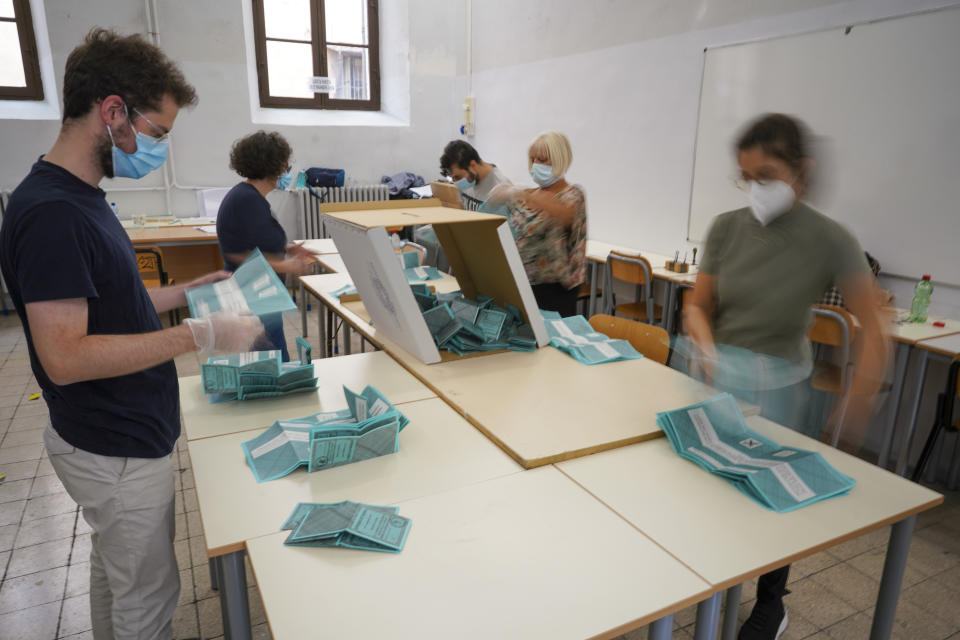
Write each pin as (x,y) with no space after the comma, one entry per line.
(418,274)
(258,374)
(254,288)
(575,336)
(369,427)
(714,435)
(345,290)
(347,524)
(466,326)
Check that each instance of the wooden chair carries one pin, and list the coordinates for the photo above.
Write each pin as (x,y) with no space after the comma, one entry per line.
(833,327)
(635,270)
(943,422)
(653,342)
(150,266)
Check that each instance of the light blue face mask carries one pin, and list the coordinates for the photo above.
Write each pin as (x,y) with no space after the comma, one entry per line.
(284,181)
(542,174)
(463,184)
(150,154)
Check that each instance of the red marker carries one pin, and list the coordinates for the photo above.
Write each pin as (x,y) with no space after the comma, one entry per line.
(939,324)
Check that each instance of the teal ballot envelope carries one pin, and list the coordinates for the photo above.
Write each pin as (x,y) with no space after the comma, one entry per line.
(345,290)
(577,338)
(714,435)
(221,374)
(409,259)
(279,450)
(466,326)
(347,524)
(254,287)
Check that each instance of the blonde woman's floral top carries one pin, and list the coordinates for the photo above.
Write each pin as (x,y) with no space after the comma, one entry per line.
(550,251)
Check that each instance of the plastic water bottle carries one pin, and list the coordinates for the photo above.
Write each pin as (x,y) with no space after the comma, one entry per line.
(921,300)
(115,209)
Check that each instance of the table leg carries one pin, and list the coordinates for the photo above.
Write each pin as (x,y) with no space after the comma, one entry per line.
(901,359)
(953,475)
(730,614)
(214,585)
(907,440)
(303,308)
(347,347)
(670,302)
(708,615)
(233,596)
(592,303)
(331,328)
(893,567)
(661,629)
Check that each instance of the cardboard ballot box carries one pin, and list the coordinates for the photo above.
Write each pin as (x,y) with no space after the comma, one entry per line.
(479,247)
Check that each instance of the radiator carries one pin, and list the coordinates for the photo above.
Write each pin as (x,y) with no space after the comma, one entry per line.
(311,224)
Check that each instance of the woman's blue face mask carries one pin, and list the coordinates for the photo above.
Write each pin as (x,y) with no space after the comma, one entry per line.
(151,153)
(542,174)
(284,181)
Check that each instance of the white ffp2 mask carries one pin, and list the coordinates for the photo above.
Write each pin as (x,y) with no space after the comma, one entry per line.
(770,200)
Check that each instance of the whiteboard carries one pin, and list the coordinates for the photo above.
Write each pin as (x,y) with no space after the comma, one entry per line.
(883,102)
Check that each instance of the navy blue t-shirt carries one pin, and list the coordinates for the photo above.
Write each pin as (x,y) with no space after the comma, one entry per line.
(244,223)
(60,240)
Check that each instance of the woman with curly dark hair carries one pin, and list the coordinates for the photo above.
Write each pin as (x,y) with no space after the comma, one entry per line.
(245,223)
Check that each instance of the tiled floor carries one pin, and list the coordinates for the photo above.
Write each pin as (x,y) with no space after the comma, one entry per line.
(44,547)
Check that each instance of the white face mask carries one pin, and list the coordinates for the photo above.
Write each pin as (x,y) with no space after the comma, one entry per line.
(771,200)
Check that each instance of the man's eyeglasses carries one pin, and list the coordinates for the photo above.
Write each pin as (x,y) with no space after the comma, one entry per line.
(159,133)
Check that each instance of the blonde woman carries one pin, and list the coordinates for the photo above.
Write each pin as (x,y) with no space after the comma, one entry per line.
(550,224)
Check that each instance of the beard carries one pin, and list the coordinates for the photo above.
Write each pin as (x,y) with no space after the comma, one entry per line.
(104,156)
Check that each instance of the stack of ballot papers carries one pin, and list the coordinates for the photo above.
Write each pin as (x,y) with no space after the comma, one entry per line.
(465,326)
(714,435)
(369,427)
(253,288)
(257,374)
(347,524)
(576,337)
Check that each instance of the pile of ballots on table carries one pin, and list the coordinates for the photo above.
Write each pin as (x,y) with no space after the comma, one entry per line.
(369,427)
(714,435)
(465,326)
(347,524)
(258,374)
(254,287)
(574,336)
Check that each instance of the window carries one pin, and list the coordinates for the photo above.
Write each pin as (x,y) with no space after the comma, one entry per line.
(19,64)
(298,39)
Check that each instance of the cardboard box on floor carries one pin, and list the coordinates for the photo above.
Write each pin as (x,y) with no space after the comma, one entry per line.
(479,247)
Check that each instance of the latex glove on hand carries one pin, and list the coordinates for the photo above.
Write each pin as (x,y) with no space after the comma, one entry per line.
(225,332)
(298,263)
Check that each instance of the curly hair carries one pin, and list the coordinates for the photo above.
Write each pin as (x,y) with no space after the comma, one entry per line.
(260,155)
(108,63)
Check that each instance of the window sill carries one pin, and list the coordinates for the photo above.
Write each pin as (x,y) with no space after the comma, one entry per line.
(326,118)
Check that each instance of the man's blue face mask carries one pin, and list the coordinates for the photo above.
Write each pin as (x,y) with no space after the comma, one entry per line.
(151,153)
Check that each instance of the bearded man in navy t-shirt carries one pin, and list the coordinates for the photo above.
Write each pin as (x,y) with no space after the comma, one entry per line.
(97,348)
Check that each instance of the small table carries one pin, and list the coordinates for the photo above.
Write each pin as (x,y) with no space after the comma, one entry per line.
(727,538)
(529,555)
(201,419)
(188,252)
(438,451)
(907,336)
(320,246)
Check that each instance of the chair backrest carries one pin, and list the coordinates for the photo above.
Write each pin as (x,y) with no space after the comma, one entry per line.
(150,266)
(208,201)
(447,193)
(832,326)
(653,342)
(633,269)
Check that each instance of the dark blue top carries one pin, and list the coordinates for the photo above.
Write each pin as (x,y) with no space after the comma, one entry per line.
(60,240)
(244,223)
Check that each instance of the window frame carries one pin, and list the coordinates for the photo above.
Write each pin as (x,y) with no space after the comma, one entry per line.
(319,47)
(29,55)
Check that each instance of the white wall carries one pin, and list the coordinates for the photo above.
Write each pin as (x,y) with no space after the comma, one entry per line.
(207,40)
